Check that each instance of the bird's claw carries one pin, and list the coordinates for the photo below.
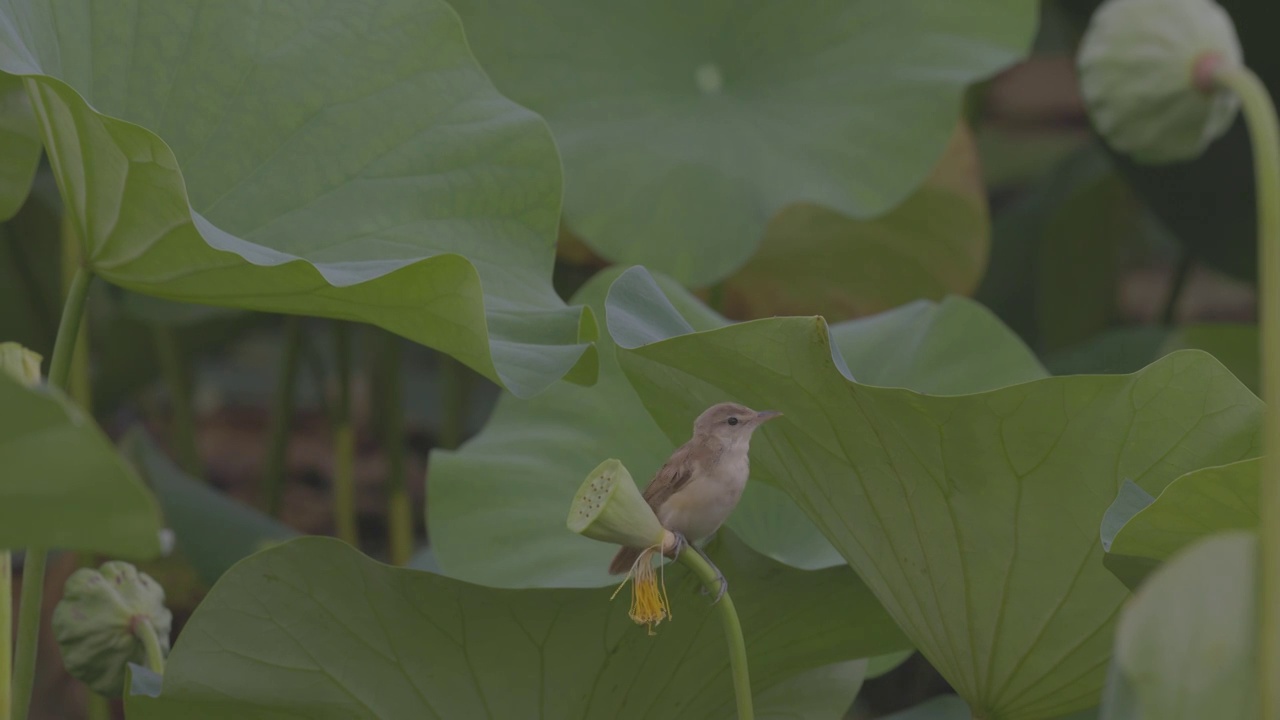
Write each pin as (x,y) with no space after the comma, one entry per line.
(681,544)
(724,586)
(720,578)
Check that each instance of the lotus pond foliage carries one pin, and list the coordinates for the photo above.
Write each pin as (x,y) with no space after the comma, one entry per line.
(450,280)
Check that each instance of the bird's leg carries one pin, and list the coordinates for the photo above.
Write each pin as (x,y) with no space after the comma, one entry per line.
(724,583)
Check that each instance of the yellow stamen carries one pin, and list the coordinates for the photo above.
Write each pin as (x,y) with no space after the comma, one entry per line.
(649,603)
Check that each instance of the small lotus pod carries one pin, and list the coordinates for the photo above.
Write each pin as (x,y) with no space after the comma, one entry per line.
(1146,73)
(98,623)
(20,363)
(609,507)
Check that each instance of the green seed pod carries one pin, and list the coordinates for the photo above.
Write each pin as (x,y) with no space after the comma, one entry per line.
(20,363)
(610,508)
(1146,73)
(99,623)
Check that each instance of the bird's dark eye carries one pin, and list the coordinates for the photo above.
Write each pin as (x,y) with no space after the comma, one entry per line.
(733,421)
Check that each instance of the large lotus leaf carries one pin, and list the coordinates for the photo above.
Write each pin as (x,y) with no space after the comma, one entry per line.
(63,484)
(1198,504)
(212,531)
(817,261)
(314,629)
(334,158)
(974,518)
(509,486)
(1185,646)
(685,126)
(19,145)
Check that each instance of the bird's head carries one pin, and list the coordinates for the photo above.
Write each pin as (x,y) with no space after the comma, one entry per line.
(731,423)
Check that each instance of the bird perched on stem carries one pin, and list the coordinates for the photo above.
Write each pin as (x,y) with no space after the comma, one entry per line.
(702,481)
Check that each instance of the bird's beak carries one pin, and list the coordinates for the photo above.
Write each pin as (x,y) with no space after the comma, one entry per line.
(764,415)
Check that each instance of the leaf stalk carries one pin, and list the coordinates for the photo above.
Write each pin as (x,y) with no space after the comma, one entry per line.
(30,604)
(344,441)
(282,416)
(1264,133)
(732,632)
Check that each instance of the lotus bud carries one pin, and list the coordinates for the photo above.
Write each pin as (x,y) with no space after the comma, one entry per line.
(1147,75)
(610,508)
(21,363)
(108,618)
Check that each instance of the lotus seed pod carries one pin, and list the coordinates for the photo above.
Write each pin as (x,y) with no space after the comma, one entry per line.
(98,623)
(1146,70)
(610,508)
(20,363)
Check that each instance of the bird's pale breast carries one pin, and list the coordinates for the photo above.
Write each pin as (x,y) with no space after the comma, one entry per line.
(702,505)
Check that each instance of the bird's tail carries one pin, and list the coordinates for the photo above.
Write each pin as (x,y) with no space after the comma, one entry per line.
(623,561)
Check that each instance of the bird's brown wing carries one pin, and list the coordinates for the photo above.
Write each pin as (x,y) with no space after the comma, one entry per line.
(674,475)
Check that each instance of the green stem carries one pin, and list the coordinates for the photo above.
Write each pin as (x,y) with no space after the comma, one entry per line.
(391,413)
(146,632)
(344,491)
(282,417)
(1264,132)
(1178,283)
(6,632)
(29,605)
(177,379)
(732,632)
(453,391)
(78,377)
(24,661)
(80,389)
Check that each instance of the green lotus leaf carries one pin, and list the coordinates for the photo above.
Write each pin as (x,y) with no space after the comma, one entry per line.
(974,518)
(816,261)
(64,485)
(508,486)
(685,127)
(19,145)
(335,159)
(1192,507)
(312,628)
(1186,645)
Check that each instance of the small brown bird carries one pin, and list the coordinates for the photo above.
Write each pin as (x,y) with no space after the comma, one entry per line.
(701,483)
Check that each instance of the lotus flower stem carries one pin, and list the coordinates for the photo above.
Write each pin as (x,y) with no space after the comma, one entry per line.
(24,660)
(453,391)
(344,490)
(281,416)
(177,377)
(78,386)
(391,426)
(6,632)
(151,641)
(1264,132)
(732,631)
